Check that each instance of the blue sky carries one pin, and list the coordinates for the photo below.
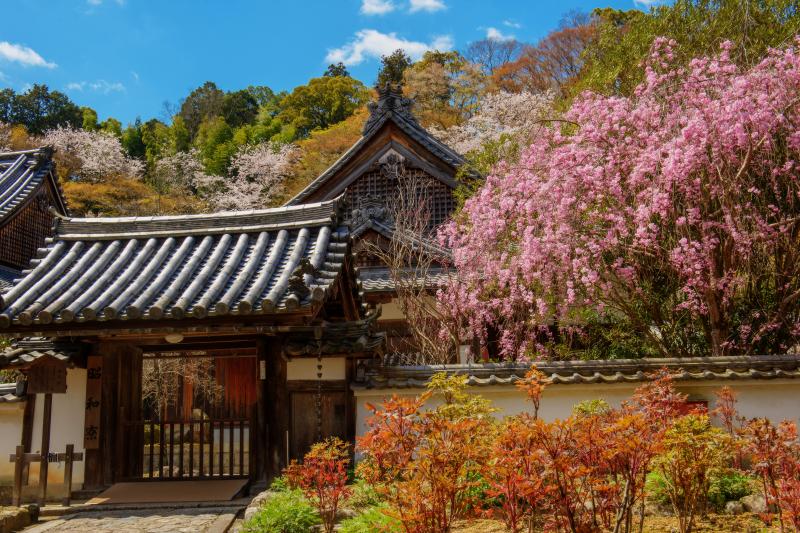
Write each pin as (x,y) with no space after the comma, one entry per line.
(125,58)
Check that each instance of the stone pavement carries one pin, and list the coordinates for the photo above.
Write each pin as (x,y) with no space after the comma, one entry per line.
(163,520)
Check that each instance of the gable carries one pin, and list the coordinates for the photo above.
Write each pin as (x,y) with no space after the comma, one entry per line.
(370,151)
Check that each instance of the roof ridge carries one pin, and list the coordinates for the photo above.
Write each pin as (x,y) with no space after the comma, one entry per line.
(285,217)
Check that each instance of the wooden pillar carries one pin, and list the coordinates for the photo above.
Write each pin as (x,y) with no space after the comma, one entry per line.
(19,465)
(350,400)
(27,431)
(69,458)
(277,409)
(45,451)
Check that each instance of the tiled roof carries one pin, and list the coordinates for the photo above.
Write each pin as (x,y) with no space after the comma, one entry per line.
(21,175)
(102,269)
(391,106)
(11,393)
(7,277)
(26,351)
(378,279)
(389,376)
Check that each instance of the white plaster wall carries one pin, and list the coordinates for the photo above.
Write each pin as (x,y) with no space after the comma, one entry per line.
(775,399)
(10,437)
(391,311)
(333,368)
(66,428)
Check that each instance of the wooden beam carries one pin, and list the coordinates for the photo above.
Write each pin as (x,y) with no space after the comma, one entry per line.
(242,324)
(45,450)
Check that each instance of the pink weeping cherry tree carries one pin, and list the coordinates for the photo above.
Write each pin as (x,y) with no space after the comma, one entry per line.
(675,211)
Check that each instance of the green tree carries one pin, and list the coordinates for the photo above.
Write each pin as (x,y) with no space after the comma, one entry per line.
(40,109)
(132,140)
(239,108)
(336,69)
(393,67)
(113,126)
(157,141)
(179,134)
(202,103)
(215,142)
(89,119)
(323,102)
(263,94)
(445,87)
(614,61)
(7,97)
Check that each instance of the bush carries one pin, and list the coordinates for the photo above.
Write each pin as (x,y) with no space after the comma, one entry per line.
(729,487)
(656,488)
(363,496)
(724,488)
(373,519)
(285,512)
(322,476)
(280,484)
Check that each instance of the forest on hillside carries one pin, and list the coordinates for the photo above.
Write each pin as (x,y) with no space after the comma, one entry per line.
(254,147)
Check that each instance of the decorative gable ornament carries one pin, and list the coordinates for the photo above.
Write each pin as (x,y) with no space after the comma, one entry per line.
(390,99)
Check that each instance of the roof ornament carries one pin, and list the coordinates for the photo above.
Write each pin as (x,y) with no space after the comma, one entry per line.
(390,100)
(297,282)
(369,208)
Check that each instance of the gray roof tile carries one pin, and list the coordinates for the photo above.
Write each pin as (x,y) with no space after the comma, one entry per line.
(25,351)
(10,393)
(173,267)
(21,176)
(378,279)
(392,376)
(7,277)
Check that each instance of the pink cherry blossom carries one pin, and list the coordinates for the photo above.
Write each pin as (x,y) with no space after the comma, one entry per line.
(677,209)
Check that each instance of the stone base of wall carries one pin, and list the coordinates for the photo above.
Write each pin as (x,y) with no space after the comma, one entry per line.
(14,519)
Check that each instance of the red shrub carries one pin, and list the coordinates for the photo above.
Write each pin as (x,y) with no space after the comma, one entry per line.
(322,477)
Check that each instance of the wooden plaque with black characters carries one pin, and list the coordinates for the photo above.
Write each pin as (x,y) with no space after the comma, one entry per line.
(94,375)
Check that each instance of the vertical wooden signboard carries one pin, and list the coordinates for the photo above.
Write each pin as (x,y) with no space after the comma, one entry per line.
(94,383)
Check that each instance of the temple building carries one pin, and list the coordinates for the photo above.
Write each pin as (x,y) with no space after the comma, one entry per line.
(221,346)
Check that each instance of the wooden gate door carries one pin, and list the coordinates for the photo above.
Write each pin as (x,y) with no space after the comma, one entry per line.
(197,418)
(304,419)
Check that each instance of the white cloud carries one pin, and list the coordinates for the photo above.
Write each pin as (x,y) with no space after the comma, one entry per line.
(99,2)
(512,24)
(426,5)
(372,43)
(493,34)
(647,3)
(135,76)
(377,7)
(23,55)
(99,86)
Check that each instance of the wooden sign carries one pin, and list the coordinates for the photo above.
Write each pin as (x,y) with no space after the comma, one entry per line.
(94,391)
(47,375)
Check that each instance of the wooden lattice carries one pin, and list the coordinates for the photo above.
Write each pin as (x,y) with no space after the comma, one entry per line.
(26,231)
(376,184)
(379,187)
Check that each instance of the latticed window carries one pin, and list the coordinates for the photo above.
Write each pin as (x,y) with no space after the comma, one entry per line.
(377,186)
(26,232)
